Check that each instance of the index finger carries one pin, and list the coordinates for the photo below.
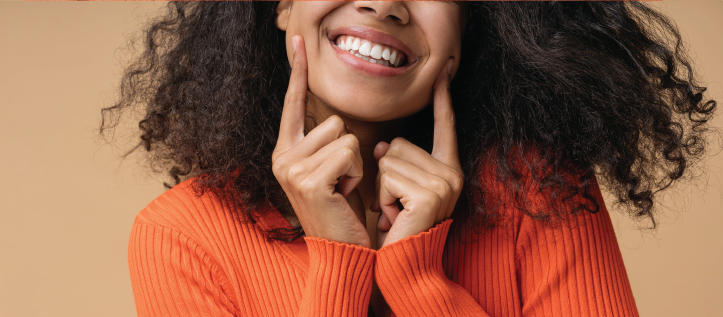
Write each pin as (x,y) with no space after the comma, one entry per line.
(291,130)
(445,134)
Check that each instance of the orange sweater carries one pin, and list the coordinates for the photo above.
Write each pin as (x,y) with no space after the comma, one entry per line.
(188,256)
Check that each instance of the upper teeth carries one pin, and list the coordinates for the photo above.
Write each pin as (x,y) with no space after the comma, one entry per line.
(369,51)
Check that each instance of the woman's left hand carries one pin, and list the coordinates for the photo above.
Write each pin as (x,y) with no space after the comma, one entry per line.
(427,186)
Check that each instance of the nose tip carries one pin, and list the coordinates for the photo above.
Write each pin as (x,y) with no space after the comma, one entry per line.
(385,9)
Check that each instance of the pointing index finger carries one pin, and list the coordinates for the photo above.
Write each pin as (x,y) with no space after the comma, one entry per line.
(445,134)
(291,130)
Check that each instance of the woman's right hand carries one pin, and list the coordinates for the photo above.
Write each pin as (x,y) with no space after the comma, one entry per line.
(321,170)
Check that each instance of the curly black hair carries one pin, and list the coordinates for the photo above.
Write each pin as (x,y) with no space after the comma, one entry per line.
(569,90)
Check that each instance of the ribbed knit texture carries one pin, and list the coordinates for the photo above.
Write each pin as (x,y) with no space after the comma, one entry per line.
(189,256)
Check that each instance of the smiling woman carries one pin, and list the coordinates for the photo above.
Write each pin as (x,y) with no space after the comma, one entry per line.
(367,127)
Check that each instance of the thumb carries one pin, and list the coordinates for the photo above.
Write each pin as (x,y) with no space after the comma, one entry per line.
(380,150)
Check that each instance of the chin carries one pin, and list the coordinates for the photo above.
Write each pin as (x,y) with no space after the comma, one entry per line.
(369,104)
(373,112)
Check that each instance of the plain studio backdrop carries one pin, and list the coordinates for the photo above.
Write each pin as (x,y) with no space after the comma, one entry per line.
(68,201)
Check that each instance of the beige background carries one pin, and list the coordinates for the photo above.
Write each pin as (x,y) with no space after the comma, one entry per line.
(67,202)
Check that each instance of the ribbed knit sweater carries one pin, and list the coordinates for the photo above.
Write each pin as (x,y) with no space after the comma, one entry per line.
(189,256)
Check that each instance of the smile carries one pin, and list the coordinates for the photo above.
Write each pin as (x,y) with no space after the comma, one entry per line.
(370,52)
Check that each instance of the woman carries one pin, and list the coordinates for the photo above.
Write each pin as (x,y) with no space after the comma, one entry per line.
(396,119)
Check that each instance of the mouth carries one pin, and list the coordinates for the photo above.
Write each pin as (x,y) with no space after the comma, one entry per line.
(371,51)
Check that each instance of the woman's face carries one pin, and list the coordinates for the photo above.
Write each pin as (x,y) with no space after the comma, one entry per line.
(423,34)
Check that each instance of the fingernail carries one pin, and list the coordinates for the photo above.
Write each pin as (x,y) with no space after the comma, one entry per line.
(449,66)
(293,43)
(349,130)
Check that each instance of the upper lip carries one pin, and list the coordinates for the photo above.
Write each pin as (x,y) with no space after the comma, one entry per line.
(374,36)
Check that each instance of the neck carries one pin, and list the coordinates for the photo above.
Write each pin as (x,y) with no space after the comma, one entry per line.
(368,133)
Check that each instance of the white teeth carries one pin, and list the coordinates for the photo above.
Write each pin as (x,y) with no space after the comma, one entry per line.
(368,51)
(341,43)
(385,54)
(376,52)
(365,49)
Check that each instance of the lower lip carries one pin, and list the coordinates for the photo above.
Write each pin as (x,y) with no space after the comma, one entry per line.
(367,67)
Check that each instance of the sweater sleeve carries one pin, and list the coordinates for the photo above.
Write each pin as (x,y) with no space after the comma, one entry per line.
(171,275)
(339,280)
(575,269)
(410,276)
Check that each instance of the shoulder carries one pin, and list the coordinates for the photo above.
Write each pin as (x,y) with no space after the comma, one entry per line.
(175,208)
(206,218)
(185,240)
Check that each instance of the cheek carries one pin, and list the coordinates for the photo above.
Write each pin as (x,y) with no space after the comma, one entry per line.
(306,20)
(446,44)
(444,41)
(443,30)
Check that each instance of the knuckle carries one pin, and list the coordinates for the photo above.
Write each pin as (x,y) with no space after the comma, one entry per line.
(295,172)
(306,186)
(436,202)
(278,164)
(432,199)
(385,162)
(351,141)
(399,140)
(347,153)
(442,187)
(398,143)
(336,122)
(386,177)
(454,179)
(277,171)
(457,181)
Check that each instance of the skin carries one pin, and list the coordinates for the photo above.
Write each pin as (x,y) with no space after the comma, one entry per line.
(385,98)
(344,171)
(400,169)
